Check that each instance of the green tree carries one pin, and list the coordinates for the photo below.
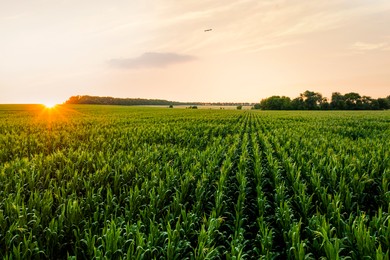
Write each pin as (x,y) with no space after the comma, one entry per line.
(276,103)
(338,101)
(312,100)
(383,103)
(257,106)
(352,101)
(297,104)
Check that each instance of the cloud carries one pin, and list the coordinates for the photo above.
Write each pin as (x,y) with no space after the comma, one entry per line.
(151,60)
(253,26)
(365,46)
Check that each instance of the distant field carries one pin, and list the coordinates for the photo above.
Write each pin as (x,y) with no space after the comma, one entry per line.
(203,107)
(121,182)
(217,107)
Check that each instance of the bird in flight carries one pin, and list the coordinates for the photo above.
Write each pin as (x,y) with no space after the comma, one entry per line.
(208,30)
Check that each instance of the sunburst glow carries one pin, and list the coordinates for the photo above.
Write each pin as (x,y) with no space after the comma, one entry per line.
(49,104)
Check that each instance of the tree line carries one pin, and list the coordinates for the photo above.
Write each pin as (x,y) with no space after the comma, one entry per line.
(310,100)
(85,99)
(118,101)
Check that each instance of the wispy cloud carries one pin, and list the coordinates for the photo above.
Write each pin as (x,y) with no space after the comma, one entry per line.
(151,60)
(254,25)
(366,46)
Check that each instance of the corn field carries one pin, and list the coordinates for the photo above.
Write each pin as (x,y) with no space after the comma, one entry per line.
(111,182)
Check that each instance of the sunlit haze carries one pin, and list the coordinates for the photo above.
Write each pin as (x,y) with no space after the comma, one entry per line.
(51,50)
(49,104)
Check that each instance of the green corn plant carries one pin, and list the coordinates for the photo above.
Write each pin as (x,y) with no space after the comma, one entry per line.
(205,249)
(265,238)
(297,248)
(380,224)
(331,245)
(380,255)
(111,241)
(365,242)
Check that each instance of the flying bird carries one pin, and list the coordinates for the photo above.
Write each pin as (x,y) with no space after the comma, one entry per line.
(208,30)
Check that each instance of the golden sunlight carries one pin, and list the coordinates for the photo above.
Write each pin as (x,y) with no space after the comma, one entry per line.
(49,104)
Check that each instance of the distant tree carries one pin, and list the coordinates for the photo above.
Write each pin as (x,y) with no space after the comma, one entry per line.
(366,103)
(117,101)
(297,104)
(170,106)
(312,100)
(239,107)
(353,101)
(374,104)
(383,103)
(338,101)
(324,104)
(256,106)
(276,103)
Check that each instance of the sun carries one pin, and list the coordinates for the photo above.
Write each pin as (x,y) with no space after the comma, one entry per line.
(49,104)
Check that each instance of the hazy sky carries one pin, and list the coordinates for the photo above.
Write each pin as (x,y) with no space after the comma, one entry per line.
(50,50)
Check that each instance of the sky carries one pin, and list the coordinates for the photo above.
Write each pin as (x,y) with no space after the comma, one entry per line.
(53,49)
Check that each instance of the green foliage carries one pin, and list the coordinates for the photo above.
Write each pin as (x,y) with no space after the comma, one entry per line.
(256,106)
(276,103)
(310,100)
(116,101)
(110,182)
